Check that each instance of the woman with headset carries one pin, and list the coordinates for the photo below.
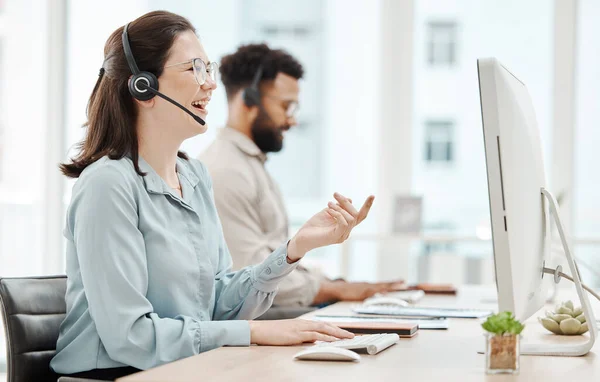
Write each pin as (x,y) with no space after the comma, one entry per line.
(149,277)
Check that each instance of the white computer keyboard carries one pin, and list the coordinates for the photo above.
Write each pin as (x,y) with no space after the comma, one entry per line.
(418,311)
(372,343)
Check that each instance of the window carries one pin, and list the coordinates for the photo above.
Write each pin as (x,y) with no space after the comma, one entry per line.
(448,35)
(23,46)
(21,130)
(439,145)
(442,43)
(440,228)
(299,31)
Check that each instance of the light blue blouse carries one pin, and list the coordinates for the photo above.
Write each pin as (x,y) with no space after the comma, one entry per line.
(149,273)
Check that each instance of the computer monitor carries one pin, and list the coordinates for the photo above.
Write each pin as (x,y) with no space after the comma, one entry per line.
(515,173)
(520,205)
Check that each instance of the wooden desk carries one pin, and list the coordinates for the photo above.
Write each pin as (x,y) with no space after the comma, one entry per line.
(432,355)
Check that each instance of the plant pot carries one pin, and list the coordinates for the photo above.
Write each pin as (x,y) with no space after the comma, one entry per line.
(502,353)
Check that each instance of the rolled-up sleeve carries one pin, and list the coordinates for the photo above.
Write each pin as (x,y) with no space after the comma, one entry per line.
(112,258)
(243,295)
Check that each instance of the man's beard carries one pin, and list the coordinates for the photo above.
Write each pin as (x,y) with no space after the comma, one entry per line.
(267,136)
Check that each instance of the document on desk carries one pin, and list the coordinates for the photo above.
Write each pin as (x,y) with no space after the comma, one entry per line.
(425,323)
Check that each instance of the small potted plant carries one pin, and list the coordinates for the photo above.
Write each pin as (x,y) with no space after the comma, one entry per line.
(503,332)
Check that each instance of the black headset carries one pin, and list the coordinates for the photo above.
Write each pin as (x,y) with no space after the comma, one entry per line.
(141,81)
(143,85)
(252,93)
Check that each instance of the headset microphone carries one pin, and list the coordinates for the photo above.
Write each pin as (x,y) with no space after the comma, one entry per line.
(156,92)
(144,85)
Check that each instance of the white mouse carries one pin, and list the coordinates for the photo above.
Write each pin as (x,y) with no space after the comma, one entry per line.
(327,353)
(382,300)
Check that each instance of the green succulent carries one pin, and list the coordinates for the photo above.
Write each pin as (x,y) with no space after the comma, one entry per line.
(503,323)
(566,320)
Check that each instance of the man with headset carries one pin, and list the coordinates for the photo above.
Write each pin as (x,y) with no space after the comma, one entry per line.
(262,93)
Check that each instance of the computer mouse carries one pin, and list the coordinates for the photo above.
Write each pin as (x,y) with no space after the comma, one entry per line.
(327,353)
(382,300)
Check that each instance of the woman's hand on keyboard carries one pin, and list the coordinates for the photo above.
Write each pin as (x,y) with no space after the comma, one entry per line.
(294,332)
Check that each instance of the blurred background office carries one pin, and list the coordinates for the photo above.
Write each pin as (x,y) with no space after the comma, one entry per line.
(389,106)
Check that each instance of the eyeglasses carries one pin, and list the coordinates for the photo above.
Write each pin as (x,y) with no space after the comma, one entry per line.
(201,71)
(292,107)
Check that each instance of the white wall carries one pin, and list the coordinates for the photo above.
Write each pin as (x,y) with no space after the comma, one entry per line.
(89,28)
(587,132)
(217,24)
(586,202)
(352,97)
(351,88)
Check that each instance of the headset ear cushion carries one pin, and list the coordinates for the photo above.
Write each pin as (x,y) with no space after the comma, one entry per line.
(251,97)
(138,91)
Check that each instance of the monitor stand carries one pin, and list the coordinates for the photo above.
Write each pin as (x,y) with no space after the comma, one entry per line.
(565,349)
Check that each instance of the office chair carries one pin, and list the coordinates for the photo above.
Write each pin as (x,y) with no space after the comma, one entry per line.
(32,311)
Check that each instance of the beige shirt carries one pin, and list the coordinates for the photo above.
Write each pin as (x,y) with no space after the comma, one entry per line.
(252,211)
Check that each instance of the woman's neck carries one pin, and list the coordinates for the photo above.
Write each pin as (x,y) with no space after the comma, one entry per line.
(161,154)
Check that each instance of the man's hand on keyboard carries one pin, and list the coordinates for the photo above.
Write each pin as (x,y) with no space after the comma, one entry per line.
(347,291)
(294,332)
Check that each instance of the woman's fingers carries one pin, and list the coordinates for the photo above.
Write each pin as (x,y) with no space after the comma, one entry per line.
(311,331)
(337,216)
(364,211)
(316,336)
(346,204)
(332,330)
(325,328)
(394,285)
(349,218)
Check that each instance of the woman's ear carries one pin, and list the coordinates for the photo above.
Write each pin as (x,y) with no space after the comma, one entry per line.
(146,104)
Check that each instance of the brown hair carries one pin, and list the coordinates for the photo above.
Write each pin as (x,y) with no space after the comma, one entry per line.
(239,68)
(111,110)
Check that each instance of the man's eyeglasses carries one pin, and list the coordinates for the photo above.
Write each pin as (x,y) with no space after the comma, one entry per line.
(291,107)
(201,70)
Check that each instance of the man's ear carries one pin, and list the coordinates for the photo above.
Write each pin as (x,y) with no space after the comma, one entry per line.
(250,111)
(253,112)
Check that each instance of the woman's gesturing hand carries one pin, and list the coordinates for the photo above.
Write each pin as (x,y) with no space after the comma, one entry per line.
(331,225)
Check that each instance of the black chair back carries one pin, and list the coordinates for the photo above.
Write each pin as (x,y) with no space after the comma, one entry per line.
(32,309)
